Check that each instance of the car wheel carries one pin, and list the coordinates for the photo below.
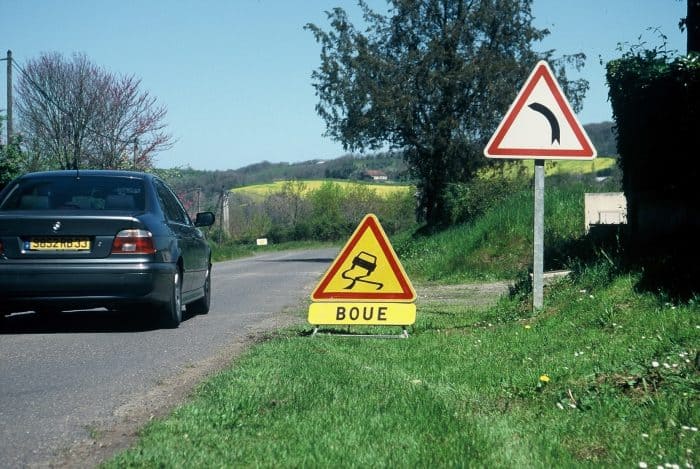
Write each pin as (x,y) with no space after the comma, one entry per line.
(171,312)
(202,305)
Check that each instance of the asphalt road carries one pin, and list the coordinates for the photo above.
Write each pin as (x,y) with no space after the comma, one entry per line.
(64,377)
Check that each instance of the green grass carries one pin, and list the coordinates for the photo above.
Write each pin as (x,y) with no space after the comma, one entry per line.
(602,376)
(498,245)
(464,390)
(229,250)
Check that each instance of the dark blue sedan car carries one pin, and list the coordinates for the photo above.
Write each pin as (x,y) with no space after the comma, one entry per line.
(113,239)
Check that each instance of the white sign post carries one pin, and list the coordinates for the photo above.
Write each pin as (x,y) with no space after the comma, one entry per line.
(540,125)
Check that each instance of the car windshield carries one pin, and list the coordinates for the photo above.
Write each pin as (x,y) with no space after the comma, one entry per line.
(71,193)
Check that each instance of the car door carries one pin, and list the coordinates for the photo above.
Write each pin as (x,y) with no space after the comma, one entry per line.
(190,239)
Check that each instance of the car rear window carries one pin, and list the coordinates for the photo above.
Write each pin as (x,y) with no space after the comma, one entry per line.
(71,193)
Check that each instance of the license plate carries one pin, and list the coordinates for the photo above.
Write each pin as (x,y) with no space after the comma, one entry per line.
(59,244)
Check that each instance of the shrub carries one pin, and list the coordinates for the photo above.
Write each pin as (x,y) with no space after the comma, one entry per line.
(490,187)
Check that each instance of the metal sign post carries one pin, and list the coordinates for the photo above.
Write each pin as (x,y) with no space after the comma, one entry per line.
(538,262)
(540,125)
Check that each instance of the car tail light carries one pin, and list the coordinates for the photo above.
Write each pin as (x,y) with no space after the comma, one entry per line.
(133,242)
(2,248)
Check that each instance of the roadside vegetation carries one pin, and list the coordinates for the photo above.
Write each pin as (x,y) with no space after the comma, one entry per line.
(603,375)
(330,209)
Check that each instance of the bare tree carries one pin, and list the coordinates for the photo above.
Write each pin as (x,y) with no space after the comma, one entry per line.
(132,129)
(76,114)
(57,102)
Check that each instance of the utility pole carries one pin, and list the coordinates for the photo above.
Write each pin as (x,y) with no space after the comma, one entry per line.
(9,97)
(221,221)
(136,145)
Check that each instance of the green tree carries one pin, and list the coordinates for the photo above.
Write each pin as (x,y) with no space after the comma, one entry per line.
(10,158)
(432,78)
(326,219)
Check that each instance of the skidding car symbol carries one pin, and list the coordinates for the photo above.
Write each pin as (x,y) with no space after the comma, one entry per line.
(362,267)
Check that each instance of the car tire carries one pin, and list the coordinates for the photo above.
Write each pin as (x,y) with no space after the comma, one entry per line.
(171,312)
(202,305)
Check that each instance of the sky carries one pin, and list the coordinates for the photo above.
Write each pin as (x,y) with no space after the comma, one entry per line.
(235,75)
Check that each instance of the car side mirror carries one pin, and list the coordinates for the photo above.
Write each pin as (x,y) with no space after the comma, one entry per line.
(205,219)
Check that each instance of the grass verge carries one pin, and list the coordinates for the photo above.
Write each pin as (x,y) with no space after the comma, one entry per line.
(601,376)
(231,250)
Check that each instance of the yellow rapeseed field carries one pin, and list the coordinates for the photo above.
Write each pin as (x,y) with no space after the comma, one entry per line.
(260,191)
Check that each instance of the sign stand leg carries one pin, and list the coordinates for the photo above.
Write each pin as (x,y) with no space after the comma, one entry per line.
(403,335)
(538,262)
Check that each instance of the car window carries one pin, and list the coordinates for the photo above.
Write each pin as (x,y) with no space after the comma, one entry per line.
(172,207)
(71,193)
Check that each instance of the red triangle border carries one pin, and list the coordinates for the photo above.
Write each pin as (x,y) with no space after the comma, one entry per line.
(541,71)
(370,222)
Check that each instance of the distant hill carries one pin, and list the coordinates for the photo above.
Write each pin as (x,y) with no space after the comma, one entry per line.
(603,137)
(345,167)
(349,167)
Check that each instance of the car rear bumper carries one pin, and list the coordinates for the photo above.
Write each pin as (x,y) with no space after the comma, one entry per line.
(25,286)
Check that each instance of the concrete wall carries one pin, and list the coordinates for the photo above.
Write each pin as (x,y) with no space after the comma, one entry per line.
(605,208)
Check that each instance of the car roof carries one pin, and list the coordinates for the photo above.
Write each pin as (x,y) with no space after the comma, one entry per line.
(88,172)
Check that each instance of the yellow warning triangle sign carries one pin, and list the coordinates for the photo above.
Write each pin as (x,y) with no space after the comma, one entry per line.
(367,269)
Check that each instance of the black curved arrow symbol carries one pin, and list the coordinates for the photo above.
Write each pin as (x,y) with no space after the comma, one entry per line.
(553,123)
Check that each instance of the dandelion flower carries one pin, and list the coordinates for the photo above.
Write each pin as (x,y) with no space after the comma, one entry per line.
(544,379)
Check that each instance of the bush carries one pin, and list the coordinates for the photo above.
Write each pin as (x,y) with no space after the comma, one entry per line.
(491,186)
(654,100)
(329,213)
